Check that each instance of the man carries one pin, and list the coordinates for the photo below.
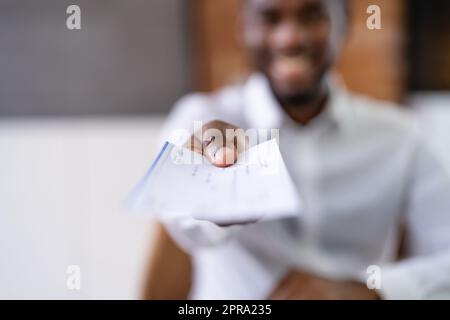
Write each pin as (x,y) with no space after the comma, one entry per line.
(362,168)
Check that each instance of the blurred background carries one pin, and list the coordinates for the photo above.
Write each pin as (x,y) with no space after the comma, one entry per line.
(80,112)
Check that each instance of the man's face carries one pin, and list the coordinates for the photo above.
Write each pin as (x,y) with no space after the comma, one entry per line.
(290,42)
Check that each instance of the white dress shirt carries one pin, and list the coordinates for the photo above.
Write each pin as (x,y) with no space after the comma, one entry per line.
(362,168)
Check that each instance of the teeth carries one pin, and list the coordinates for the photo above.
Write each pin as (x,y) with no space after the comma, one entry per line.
(293,59)
(292,67)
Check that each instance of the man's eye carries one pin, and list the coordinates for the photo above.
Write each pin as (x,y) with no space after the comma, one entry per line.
(270,17)
(312,15)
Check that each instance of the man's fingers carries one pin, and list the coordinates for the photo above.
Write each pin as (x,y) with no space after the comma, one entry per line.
(218,142)
(221,156)
(218,154)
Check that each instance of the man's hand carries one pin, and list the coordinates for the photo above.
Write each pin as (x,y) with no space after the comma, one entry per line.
(219,142)
(297,285)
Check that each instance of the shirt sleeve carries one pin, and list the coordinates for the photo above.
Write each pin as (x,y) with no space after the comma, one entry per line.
(425,274)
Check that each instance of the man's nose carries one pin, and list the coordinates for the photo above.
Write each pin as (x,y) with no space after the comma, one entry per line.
(289,37)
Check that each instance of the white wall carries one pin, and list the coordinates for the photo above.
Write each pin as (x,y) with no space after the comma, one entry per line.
(61,186)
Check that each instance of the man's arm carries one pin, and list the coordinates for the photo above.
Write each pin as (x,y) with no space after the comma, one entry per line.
(424,274)
(168,274)
(299,285)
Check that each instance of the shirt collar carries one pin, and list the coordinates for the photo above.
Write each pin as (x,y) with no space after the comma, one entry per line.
(262,110)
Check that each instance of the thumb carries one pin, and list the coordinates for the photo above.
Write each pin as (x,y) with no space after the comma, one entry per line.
(219,155)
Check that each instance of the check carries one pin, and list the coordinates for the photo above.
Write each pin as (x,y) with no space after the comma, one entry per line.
(181,183)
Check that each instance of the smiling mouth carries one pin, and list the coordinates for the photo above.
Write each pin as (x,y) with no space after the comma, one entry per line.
(291,68)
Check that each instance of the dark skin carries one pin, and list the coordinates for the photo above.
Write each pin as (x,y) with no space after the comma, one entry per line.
(169,272)
(289,41)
